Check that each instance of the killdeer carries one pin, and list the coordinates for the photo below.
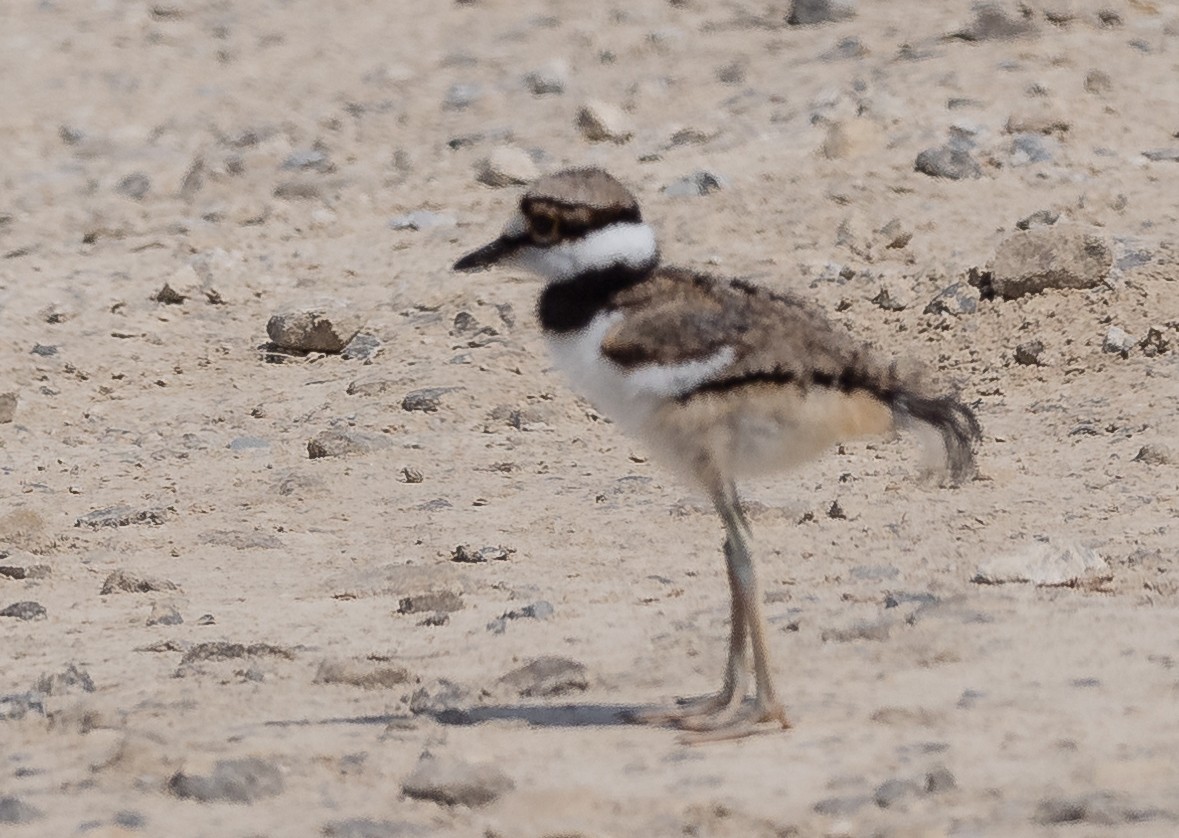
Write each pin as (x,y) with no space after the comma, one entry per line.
(723,379)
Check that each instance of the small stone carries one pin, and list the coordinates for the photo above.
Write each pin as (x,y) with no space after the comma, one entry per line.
(361,348)
(28,610)
(845,49)
(169,296)
(1028,149)
(1156,454)
(308,158)
(42,350)
(539,610)
(893,298)
(891,792)
(248,443)
(426,400)
(365,673)
(342,443)
(1044,563)
(851,138)
(411,475)
(232,780)
(14,810)
(220,650)
(69,680)
(122,582)
(507,166)
(947,162)
(549,79)
(940,780)
(842,806)
(600,121)
(369,828)
(1039,218)
(812,12)
(134,186)
(1156,342)
(164,615)
(955,300)
(992,23)
(467,555)
(461,96)
(8,402)
(546,676)
(1030,353)
(455,782)
(1037,121)
(315,330)
(1117,342)
(1032,261)
(731,73)
(1098,82)
(430,601)
(423,220)
(121,516)
(129,819)
(1162,155)
(696,184)
(18,705)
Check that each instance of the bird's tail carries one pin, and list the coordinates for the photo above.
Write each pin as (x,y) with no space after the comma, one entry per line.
(953,421)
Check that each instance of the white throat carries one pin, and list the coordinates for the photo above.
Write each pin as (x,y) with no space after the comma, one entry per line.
(631,244)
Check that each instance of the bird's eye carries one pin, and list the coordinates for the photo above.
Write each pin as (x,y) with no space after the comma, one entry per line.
(544,228)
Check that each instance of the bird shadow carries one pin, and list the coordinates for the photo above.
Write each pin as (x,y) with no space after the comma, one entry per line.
(534,715)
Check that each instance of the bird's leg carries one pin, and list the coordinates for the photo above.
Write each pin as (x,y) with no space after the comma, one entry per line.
(742,721)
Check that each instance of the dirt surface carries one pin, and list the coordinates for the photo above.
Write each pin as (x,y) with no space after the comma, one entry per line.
(229,637)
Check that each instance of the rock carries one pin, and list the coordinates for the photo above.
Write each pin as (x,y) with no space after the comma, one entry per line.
(1103,808)
(948,162)
(27,610)
(894,298)
(599,121)
(732,73)
(248,443)
(342,443)
(1162,155)
(1039,218)
(454,782)
(1117,342)
(232,780)
(546,676)
(169,296)
(369,828)
(1045,563)
(122,582)
(361,348)
(121,516)
(443,700)
(811,12)
(851,138)
(845,49)
(69,680)
(939,780)
(463,553)
(842,806)
(220,650)
(461,96)
(549,79)
(1028,149)
(1156,454)
(308,159)
(891,792)
(955,300)
(430,601)
(1098,82)
(426,400)
(365,673)
(1032,261)
(1030,353)
(411,475)
(506,166)
(1037,121)
(992,23)
(8,402)
(1156,342)
(129,819)
(18,705)
(32,571)
(316,329)
(164,615)
(423,220)
(14,810)
(134,186)
(698,183)
(539,610)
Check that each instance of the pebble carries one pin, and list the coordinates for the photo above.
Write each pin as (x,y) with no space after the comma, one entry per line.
(851,138)
(248,443)
(463,553)
(894,298)
(1032,261)
(1156,454)
(134,186)
(8,402)
(220,650)
(947,162)
(446,601)
(1155,342)
(17,705)
(308,158)
(992,23)
(32,571)
(443,700)
(843,805)
(426,400)
(1044,563)
(891,792)
(122,582)
(1030,353)
(316,329)
(1162,155)
(1117,342)
(232,780)
(366,673)
(27,610)
(342,443)
(121,516)
(539,610)
(1098,82)
(69,680)
(955,300)
(549,79)
(1039,218)
(1028,149)
(14,810)
(600,121)
(506,166)
(164,615)
(696,184)
(939,780)
(811,12)
(455,782)
(1037,121)
(546,676)
(361,348)
(369,828)
(1103,808)
(423,220)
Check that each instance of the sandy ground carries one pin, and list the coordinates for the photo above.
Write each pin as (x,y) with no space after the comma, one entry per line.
(253,155)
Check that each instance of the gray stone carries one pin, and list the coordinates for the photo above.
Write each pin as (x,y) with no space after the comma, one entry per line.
(130,819)
(455,782)
(447,601)
(14,810)
(342,443)
(361,348)
(947,162)
(220,650)
(1162,155)
(423,220)
(426,400)
(546,676)
(232,780)
(1039,218)
(1030,353)
(8,402)
(811,12)
(506,166)
(69,680)
(1027,149)
(27,610)
(1117,342)
(308,158)
(600,121)
(163,614)
(461,96)
(1156,454)
(134,186)
(121,516)
(696,184)
(891,792)
(539,610)
(1102,808)
(992,23)
(843,805)
(248,443)
(877,629)
(1045,563)
(1032,261)
(549,79)
(893,298)
(939,780)
(366,673)
(1156,342)
(325,329)
(955,300)
(369,828)
(122,582)
(464,554)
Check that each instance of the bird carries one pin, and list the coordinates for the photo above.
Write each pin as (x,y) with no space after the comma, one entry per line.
(721,378)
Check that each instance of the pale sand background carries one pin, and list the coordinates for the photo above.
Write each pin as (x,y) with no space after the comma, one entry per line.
(1035,699)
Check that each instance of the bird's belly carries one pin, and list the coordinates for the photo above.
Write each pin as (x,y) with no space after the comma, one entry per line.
(606,385)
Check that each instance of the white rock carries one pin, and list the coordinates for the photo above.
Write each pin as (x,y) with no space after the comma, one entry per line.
(551,78)
(507,166)
(1117,342)
(1045,563)
(603,121)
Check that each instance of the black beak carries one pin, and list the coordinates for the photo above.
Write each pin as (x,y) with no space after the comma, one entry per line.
(489,254)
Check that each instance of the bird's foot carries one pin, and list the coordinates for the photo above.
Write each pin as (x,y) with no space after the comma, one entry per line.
(686,710)
(735,722)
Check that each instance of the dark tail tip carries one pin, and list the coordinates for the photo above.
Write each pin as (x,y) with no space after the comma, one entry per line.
(956,423)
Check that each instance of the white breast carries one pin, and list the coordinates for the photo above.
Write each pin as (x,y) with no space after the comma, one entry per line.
(627,396)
